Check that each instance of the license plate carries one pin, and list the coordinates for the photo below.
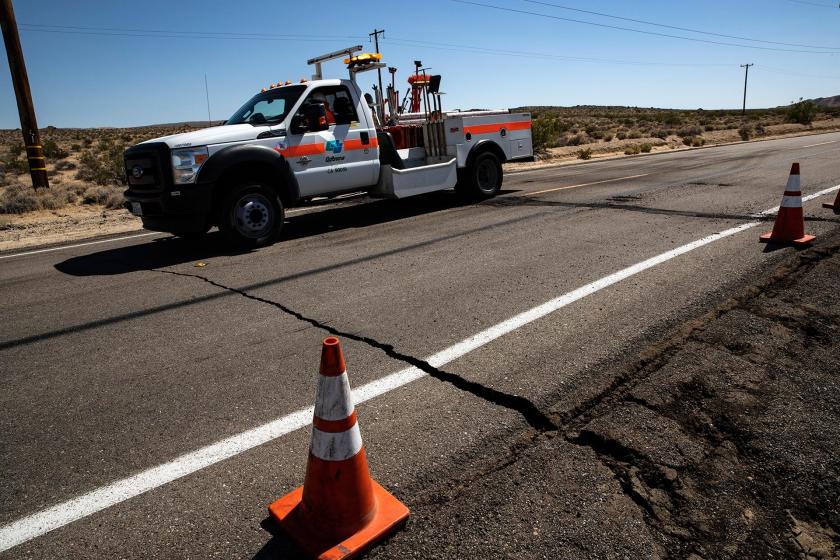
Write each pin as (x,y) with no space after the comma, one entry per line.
(136,209)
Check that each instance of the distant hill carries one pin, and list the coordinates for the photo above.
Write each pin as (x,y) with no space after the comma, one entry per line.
(828,101)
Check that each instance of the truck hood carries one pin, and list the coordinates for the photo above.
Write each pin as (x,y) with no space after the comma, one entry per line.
(212,135)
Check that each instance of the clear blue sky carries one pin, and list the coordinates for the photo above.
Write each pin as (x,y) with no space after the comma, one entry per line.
(91,77)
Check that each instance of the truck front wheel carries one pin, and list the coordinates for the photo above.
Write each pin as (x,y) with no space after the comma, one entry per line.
(252,215)
(482,178)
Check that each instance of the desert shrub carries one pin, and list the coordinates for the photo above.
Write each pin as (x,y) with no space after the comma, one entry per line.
(15,149)
(709,128)
(608,138)
(745,132)
(64,165)
(661,134)
(105,169)
(689,131)
(88,142)
(633,150)
(802,112)
(694,141)
(760,130)
(110,197)
(17,165)
(584,153)
(18,199)
(544,132)
(53,150)
(634,134)
(621,135)
(577,140)
(672,119)
(75,147)
(645,148)
(597,134)
(55,197)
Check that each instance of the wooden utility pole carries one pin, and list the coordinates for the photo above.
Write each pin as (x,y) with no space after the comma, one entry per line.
(28,124)
(746,75)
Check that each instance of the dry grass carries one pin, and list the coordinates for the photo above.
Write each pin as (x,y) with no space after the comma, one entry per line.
(85,167)
(555,128)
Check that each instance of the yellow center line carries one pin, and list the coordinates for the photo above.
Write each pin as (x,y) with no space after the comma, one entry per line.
(586,184)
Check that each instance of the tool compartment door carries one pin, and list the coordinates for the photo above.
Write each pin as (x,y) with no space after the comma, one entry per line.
(519,142)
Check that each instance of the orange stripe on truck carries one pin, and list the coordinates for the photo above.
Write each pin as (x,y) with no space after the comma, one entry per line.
(316,149)
(302,150)
(496,127)
(357,144)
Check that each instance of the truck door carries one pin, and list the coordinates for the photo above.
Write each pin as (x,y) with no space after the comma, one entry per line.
(342,158)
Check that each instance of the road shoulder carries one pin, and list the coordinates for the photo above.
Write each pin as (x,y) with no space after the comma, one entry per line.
(722,444)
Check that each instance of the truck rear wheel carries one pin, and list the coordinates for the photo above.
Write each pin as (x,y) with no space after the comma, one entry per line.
(252,215)
(482,179)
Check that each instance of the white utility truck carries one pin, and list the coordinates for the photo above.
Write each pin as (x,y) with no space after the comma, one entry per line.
(293,142)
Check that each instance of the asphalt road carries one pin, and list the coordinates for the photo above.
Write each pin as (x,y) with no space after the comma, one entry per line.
(120,357)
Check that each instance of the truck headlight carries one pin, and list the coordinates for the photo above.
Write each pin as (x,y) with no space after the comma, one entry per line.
(187,162)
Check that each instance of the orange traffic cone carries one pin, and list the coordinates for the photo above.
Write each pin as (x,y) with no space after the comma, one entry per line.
(339,512)
(790,222)
(834,206)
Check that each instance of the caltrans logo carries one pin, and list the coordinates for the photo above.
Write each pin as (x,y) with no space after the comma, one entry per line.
(335,146)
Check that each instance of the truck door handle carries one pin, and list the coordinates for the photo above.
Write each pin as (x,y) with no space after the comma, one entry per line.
(365,138)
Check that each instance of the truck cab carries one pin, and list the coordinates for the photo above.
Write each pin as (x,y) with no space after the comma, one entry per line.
(292,142)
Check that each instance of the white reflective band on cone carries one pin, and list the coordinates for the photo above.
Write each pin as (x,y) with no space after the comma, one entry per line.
(791,202)
(793,183)
(333,398)
(336,447)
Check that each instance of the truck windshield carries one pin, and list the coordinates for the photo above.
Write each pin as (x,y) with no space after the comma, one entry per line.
(269,107)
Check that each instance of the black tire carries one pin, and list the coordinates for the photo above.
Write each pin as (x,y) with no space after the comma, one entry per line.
(251,215)
(482,179)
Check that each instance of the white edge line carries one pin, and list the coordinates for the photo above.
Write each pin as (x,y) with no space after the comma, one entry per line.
(820,144)
(64,513)
(64,247)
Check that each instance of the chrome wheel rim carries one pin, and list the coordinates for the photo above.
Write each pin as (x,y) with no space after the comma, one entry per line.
(253,216)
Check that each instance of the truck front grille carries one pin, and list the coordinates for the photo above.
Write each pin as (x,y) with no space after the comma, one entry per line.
(145,167)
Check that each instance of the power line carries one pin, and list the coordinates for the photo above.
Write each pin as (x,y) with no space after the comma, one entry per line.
(176,34)
(452,47)
(540,55)
(607,26)
(784,72)
(666,26)
(396,41)
(817,4)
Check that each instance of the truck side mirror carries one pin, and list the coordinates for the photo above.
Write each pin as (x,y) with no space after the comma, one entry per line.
(298,124)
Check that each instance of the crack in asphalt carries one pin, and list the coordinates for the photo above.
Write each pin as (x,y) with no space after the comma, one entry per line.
(527,409)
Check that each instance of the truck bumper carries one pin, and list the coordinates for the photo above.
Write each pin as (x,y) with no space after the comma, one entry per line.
(153,196)
(179,209)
